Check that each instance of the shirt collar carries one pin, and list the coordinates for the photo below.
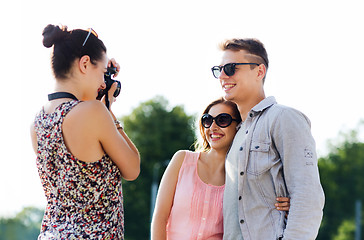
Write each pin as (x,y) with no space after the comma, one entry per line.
(265,103)
(262,105)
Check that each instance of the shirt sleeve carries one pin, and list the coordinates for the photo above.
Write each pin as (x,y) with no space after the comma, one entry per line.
(296,147)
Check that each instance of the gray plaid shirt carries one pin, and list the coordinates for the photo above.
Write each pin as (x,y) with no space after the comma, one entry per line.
(273,154)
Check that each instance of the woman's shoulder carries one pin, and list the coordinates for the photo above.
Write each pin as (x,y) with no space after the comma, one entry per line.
(88,115)
(91,106)
(185,156)
(181,154)
(178,158)
(89,109)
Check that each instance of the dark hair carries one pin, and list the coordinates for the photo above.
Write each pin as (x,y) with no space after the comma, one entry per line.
(67,46)
(205,146)
(252,46)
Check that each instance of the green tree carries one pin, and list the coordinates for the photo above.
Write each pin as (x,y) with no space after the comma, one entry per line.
(346,230)
(25,225)
(342,178)
(158,132)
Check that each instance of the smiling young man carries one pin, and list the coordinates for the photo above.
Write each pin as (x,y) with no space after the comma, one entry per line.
(273,155)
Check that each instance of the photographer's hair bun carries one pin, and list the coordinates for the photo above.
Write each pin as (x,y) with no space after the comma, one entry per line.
(53,34)
(68,46)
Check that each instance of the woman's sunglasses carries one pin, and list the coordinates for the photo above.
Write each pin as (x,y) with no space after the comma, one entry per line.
(222,120)
(88,35)
(229,69)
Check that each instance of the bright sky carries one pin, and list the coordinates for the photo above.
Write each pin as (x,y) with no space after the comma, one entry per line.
(167,48)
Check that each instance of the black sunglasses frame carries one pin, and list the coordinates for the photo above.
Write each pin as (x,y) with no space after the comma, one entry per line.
(228,68)
(216,119)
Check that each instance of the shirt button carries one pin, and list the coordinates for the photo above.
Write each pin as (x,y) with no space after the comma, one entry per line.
(241,221)
(241,149)
(246,132)
(251,114)
(203,219)
(239,197)
(241,173)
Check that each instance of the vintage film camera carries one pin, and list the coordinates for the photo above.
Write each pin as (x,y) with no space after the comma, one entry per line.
(109,81)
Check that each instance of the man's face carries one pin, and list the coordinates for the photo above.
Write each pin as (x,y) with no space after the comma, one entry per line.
(245,83)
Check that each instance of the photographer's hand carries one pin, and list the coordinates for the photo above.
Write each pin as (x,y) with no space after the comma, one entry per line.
(115,64)
(110,94)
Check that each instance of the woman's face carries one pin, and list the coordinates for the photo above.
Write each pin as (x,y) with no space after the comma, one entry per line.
(95,79)
(220,138)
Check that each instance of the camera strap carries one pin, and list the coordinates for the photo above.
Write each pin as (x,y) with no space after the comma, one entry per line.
(107,102)
(58,95)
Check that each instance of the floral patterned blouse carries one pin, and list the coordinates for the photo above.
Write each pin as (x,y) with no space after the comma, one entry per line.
(85,200)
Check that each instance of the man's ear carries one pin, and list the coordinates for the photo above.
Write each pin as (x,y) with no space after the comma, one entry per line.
(84,63)
(261,71)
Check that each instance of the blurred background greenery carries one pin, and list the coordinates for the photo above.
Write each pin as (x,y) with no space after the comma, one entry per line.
(159,130)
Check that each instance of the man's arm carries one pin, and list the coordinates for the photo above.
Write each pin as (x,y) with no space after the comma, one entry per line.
(296,146)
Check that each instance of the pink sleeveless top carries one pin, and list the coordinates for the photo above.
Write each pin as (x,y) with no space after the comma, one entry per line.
(197,207)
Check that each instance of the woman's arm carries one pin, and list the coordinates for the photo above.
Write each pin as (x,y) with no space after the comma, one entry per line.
(116,143)
(129,165)
(121,131)
(165,197)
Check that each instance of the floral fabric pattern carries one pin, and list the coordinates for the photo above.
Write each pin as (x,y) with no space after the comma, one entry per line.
(84,200)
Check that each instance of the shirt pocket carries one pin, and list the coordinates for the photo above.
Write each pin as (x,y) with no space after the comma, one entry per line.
(259,157)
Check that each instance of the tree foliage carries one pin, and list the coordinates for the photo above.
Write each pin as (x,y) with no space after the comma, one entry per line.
(158,132)
(25,225)
(345,231)
(342,178)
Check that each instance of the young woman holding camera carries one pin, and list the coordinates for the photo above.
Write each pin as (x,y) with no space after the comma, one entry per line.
(190,197)
(82,151)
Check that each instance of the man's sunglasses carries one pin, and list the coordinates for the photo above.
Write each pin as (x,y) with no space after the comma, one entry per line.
(222,120)
(88,35)
(229,69)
